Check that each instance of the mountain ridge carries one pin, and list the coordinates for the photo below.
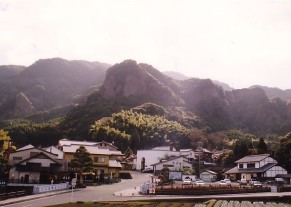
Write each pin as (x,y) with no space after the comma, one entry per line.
(127,85)
(47,83)
(57,85)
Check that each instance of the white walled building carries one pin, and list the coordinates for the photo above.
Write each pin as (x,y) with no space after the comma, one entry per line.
(146,158)
(173,164)
(35,165)
(262,167)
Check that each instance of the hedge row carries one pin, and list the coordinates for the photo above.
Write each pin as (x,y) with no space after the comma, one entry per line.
(205,190)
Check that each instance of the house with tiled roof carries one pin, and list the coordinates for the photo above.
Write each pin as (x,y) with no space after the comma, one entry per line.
(178,163)
(35,165)
(262,167)
(106,158)
(101,145)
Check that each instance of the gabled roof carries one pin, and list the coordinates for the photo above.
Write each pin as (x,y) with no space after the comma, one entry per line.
(107,143)
(55,151)
(66,142)
(210,172)
(252,158)
(91,149)
(236,170)
(41,154)
(115,164)
(49,149)
(31,147)
(25,147)
(171,159)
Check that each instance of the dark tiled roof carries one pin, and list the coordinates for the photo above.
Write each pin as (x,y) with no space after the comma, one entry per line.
(283,176)
(235,170)
(253,158)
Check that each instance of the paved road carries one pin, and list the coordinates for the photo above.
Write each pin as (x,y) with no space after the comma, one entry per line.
(92,193)
(124,190)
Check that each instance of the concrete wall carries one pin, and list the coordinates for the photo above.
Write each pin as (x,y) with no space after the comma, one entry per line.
(48,188)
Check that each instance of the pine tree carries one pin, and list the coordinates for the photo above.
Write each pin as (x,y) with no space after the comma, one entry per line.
(82,162)
(262,147)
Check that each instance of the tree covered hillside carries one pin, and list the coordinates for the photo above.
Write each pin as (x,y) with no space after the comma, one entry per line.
(46,84)
(136,106)
(137,130)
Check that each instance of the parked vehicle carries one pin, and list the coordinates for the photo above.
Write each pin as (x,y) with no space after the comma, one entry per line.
(199,182)
(187,181)
(243,182)
(279,181)
(148,170)
(225,182)
(252,181)
(256,184)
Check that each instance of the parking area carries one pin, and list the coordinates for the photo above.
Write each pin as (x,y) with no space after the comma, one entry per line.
(220,184)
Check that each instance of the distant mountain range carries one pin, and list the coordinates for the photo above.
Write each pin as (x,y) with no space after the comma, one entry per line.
(46,84)
(96,90)
(270,92)
(129,84)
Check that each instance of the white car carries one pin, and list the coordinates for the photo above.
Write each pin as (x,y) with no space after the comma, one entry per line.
(252,181)
(243,182)
(199,182)
(187,181)
(257,184)
(225,182)
(228,182)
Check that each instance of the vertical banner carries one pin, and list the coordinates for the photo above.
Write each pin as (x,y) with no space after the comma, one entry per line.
(152,189)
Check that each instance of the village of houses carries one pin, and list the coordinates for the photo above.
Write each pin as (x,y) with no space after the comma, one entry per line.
(51,165)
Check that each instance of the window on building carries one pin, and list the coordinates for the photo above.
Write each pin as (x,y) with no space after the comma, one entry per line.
(17,158)
(99,159)
(241,166)
(251,165)
(167,165)
(33,154)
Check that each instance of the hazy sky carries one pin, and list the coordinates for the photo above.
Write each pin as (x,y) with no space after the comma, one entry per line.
(241,43)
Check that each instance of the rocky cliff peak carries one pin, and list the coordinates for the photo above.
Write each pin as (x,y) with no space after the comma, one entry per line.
(129,79)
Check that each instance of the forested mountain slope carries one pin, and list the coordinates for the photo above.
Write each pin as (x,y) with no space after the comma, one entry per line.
(46,84)
(136,93)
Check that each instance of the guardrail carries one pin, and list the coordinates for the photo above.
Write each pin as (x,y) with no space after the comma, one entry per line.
(48,188)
